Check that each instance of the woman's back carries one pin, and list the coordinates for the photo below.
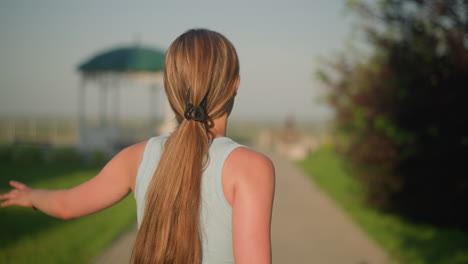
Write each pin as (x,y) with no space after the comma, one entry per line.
(216,212)
(196,208)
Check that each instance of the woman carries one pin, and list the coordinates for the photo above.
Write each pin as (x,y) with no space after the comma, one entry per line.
(201,197)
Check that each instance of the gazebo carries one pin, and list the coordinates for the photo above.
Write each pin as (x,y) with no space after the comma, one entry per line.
(107,70)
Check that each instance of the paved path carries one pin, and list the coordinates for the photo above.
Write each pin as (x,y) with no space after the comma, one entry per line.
(307,227)
(121,250)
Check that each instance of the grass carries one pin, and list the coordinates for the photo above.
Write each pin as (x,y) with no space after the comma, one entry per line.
(33,237)
(406,241)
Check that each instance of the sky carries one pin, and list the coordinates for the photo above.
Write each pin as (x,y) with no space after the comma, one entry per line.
(279,44)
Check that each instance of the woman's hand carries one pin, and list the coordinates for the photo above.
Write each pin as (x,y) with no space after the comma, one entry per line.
(19,196)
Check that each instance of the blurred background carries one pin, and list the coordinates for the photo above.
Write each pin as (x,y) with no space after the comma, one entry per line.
(359,103)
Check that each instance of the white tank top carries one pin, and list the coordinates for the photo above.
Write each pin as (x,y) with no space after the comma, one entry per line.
(215,214)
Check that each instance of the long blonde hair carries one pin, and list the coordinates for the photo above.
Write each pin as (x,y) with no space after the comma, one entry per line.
(202,64)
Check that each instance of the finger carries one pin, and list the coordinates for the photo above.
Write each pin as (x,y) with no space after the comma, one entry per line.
(7,203)
(4,196)
(18,185)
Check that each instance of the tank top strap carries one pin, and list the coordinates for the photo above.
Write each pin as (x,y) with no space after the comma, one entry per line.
(220,150)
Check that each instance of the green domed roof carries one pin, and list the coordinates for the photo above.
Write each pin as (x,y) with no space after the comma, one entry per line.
(126,59)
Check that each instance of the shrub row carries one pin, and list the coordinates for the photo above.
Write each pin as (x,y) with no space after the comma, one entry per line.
(26,154)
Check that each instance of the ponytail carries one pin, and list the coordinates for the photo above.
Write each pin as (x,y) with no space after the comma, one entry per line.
(170,230)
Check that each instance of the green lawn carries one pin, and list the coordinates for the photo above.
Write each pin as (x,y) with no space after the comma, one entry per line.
(33,237)
(406,241)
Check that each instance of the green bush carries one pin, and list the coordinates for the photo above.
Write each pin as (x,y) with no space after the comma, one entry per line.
(27,154)
(5,153)
(64,156)
(98,158)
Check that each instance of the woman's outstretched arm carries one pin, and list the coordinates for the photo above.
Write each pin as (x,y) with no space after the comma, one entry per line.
(108,187)
(252,206)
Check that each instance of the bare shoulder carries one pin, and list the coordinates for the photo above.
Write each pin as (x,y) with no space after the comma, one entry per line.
(250,159)
(135,151)
(249,165)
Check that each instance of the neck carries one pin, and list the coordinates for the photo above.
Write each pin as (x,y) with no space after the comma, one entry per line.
(219,126)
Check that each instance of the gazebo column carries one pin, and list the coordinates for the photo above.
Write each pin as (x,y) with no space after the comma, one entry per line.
(81,109)
(103,104)
(116,105)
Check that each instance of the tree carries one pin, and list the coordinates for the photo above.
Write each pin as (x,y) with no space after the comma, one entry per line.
(405,108)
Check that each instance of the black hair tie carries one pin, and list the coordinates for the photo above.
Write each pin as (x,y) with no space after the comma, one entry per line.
(197,113)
